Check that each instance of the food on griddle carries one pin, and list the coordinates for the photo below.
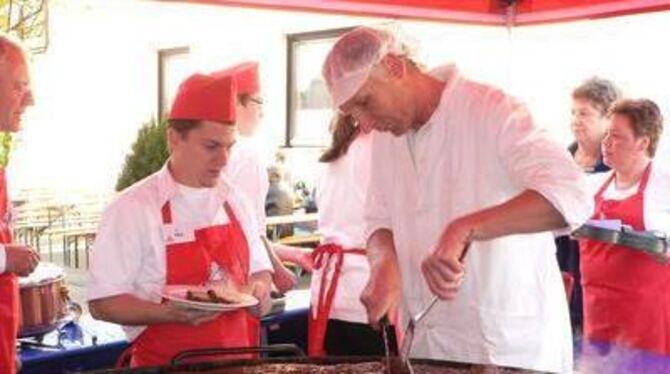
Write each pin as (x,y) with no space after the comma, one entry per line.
(218,296)
(357,368)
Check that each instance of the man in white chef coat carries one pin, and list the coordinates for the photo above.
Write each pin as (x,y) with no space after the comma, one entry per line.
(457,162)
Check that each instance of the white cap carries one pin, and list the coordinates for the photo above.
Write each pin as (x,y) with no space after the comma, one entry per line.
(353,56)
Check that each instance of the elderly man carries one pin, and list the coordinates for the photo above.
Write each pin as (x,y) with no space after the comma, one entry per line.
(15,260)
(464,191)
(183,225)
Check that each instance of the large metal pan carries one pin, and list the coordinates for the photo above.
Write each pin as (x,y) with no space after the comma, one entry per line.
(647,241)
(307,365)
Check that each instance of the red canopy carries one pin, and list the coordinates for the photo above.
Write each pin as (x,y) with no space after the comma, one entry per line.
(490,12)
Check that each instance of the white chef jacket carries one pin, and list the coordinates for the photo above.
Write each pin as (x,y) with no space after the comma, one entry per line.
(3,259)
(247,171)
(128,255)
(480,148)
(656,208)
(340,197)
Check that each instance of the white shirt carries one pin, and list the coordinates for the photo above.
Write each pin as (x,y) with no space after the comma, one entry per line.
(247,171)
(3,259)
(128,255)
(340,197)
(7,220)
(480,148)
(656,208)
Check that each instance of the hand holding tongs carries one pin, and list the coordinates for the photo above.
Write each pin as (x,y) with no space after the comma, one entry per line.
(409,331)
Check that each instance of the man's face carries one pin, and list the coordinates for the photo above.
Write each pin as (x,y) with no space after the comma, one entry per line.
(383,103)
(200,155)
(15,91)
(249,114)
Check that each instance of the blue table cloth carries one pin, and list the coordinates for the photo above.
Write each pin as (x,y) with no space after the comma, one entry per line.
(91,344)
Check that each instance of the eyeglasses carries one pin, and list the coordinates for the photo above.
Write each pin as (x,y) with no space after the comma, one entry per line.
(256,100)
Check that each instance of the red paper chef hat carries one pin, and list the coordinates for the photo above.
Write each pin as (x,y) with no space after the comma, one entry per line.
(246,77)
(206,98)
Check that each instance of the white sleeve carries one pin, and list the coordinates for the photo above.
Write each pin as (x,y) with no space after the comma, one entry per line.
(262,186)
(3,259)
(657,200)
(537,163)
(250,178)
(377,214)
(116,254)
(258,256)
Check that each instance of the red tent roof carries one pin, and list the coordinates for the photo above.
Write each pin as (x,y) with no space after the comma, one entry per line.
(491,12)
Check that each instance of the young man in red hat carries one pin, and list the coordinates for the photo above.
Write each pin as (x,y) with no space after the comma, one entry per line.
(15,260)
(183,225)
(248,172)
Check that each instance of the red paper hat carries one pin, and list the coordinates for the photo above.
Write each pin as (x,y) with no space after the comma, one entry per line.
(206,98)
(246,77)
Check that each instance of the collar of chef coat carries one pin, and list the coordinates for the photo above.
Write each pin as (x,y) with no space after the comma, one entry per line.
(451,76)
(168,187)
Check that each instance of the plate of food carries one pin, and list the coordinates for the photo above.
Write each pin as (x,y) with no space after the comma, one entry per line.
(208,297)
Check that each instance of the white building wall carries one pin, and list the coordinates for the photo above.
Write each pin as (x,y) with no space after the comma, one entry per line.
(97,83)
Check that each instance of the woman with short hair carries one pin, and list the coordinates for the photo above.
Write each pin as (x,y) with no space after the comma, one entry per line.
(626,298)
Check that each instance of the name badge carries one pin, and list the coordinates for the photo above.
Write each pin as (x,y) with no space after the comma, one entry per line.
(175,235)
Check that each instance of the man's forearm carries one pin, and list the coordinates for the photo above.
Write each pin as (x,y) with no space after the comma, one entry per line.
(129,310)
(528,212)
(290,253)
(264,277)
(381,249)
(274,257)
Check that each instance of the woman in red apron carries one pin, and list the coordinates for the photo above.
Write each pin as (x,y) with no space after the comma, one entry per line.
(15,96)
(626,298)
(338,323)
(203,239)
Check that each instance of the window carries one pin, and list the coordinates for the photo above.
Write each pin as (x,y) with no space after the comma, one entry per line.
(309,108)
(173,67)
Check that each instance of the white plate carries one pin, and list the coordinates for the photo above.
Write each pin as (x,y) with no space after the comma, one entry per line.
(177,295)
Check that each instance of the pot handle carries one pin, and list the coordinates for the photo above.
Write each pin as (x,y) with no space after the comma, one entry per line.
(290,349)
(71,306)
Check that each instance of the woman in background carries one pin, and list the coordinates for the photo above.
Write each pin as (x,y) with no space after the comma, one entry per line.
(338,322)
(626,298)
(590,102)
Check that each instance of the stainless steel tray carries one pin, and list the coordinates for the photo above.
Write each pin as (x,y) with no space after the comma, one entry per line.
(647,241)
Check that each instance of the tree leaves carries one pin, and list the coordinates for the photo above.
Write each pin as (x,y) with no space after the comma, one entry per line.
(149,153)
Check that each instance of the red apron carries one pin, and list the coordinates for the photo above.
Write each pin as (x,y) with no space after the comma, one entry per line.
(9,292)
(626,298)
(318,324)
(189,263)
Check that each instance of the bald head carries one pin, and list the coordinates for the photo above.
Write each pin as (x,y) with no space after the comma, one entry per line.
(10,50)
(15,91)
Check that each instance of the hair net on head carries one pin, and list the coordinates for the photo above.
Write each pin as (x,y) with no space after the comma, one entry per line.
(353,56)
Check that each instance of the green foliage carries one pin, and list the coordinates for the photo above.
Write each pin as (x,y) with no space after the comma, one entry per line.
(6,146)
(149,153)
(27,20)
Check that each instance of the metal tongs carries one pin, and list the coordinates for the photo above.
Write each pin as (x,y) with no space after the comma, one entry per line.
(406,347)
(387,333)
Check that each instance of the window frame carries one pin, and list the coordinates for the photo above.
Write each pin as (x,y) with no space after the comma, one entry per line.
(292,41)
(162,58)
